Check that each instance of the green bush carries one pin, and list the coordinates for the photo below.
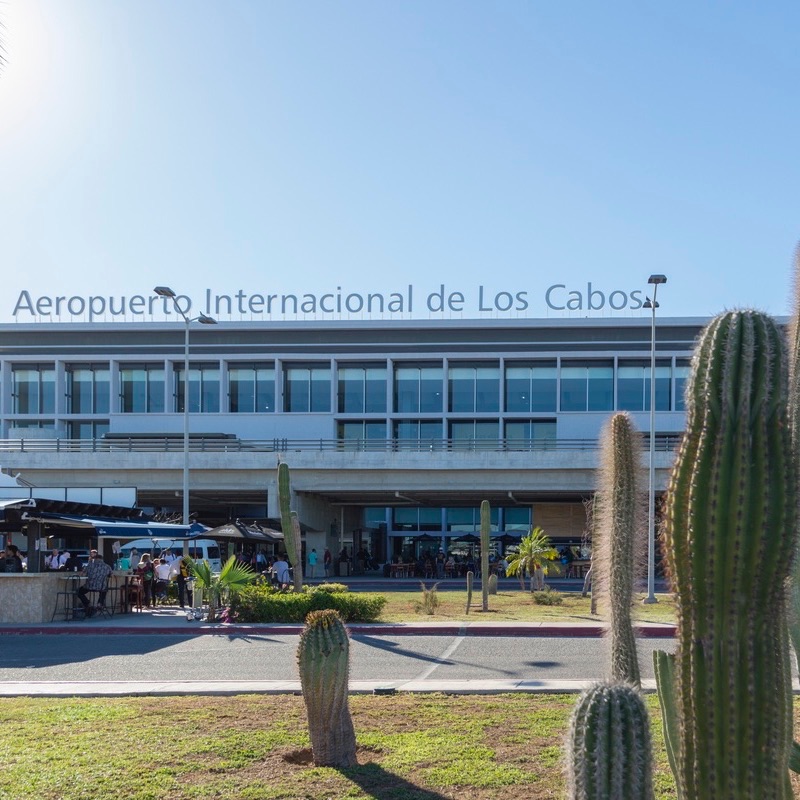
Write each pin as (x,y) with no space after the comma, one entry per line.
(263,604)
(331,587)
(547,598)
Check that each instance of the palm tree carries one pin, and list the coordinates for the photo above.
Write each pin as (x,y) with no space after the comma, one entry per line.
(234,575)
(534,550)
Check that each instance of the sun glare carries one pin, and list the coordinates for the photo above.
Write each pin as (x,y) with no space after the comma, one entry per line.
(27,52)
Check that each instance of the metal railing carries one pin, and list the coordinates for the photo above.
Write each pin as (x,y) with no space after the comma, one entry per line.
(172,444)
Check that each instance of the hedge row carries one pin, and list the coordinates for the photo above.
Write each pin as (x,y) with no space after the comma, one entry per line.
(260,603)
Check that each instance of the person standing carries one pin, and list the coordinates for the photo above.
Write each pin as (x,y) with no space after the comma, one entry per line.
(327,560)
(146,571)
(55,560)
(179,569)
(12,561)
(280,569)
(312,563)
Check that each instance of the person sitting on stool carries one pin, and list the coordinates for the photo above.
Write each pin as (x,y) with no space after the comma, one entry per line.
(96,572)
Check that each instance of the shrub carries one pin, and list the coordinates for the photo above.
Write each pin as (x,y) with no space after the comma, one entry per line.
(547,598)
(430,600)
(264,604)
(331,587)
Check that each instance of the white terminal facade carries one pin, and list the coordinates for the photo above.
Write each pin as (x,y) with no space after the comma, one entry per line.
(391,429)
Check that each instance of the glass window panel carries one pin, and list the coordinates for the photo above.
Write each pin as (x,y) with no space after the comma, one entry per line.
(265,389)
(102,391)
(487,389)
(351,390)
(242,387)
(681,376)
(298,389)
(518,388)
(462,431)
(156,387)
(430,390)
(375,400)
(460,519)
(544,387)
(517,518)
(662,388)
(573,388)
(601,388)
(320,389)
(81,392)
(462,389)
(430,519)
(405,519)
(631,387)
(406,389)
(48,390)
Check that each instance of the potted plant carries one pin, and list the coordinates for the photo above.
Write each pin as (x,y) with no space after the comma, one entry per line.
(234,575)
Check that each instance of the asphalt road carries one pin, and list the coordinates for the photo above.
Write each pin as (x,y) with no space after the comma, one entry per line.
(258,658)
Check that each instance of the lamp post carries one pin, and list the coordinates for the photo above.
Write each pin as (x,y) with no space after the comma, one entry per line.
(165,291)
(655,281)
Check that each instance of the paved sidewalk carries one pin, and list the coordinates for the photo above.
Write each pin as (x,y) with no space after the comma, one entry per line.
(172,621)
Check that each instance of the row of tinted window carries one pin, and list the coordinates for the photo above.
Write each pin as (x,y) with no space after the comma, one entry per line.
(459,520)
(529,387)
(433,431)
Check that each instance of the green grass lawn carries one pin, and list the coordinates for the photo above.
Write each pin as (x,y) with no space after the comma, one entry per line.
(411,747)
(516,606)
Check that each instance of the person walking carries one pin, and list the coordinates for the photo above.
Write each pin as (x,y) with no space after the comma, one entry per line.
(312,563)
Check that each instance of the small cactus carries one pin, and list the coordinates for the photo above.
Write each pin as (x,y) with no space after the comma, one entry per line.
(486,529)
(618,538)
(470,580)
(492,583)
(609,755)
(323,659)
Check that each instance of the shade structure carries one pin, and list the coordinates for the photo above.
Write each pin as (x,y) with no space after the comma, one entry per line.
(507,538)
(238,530)
(426,537)
(469,538)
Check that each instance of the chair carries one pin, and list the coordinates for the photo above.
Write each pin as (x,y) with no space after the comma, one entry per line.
(133,593)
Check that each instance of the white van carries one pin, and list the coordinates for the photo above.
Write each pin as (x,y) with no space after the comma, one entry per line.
(196,549)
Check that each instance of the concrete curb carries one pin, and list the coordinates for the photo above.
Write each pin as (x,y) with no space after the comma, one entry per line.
(533,630)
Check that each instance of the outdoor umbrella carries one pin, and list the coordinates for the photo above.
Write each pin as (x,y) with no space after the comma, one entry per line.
(426,537)
(470,538)
(506,539)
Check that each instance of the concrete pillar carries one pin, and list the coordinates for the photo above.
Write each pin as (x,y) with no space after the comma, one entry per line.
(34,532)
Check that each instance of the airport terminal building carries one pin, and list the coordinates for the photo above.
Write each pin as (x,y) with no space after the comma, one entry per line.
(392,429)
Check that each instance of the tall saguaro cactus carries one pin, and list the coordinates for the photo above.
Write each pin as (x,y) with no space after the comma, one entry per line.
(289,526)
(609,755)
(617,539)
(323,659)
(794,426)
(730,532)
(486,529)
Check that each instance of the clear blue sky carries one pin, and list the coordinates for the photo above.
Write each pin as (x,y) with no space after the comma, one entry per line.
(300,146)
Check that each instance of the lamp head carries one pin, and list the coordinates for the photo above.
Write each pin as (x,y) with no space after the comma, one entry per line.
(165,291)
(203,319)
(657,279)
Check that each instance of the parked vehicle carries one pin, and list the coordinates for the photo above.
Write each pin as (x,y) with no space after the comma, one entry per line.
(196,549)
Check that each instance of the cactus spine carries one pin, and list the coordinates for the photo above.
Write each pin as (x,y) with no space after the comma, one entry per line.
(608,748)
(486,528)
(290,527)
(730,531)
(323,659)
(492,584)
(617,536)
(470,579)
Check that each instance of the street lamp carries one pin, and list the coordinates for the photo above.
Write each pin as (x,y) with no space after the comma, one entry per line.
(655,281)
(203,319)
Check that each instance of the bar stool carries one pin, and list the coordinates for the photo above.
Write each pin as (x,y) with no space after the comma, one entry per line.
(65,598)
